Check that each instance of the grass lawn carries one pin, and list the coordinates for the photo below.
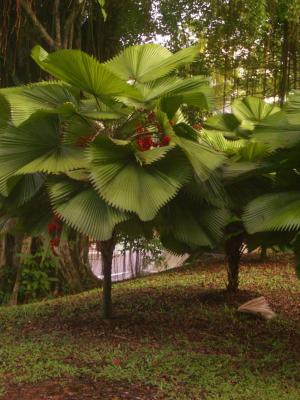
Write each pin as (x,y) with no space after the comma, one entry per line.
(176,335)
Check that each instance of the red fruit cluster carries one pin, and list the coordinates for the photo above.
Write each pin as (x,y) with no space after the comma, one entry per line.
(165,141)
(146,142)
(54,229)
(149,133)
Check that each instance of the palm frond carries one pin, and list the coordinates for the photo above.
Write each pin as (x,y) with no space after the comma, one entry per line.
(278,211)
(125,184)
(149,62)
(253,109)
(36,146)
(82,71)
(219,142)
(84,210)
(203,158)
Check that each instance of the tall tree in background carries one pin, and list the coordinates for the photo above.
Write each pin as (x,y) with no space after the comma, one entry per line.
(249,48)
(66,24)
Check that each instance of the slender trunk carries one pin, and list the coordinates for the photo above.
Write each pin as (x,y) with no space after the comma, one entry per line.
(225,81)
(263,254)
(107,250)
(22,247)
(233,249)
(284,64)
(124,259)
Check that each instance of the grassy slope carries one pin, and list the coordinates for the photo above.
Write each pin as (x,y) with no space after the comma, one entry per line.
(175,336)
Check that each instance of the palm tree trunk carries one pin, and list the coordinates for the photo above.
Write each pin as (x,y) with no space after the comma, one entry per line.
(107,250)
(263,254)
(233,249)
(22,247)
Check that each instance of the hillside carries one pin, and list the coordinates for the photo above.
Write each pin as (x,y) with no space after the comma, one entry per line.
(175,335)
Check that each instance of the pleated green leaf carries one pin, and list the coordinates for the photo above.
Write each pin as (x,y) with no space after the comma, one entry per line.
(203,158)
(253,109)
(26,100)
(193,223)
(150,156)
(84,210)
(125,184)
(36,146)
(277,211)
(149,62)
(188,88)
(219,142)
(82,71)
(27,187)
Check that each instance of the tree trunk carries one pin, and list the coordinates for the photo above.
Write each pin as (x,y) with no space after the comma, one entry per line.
(22,247)
(74,265)
(283,88)
(263,254)
(107,250)
(233,249)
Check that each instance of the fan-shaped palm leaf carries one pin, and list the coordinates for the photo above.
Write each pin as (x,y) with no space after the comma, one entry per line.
(149,62)
(36,146)
(253,109)
(84,210)
(193,223)
(82,71)
(25,100)
(278,211)
(202,157)
(192,90)
(125,184)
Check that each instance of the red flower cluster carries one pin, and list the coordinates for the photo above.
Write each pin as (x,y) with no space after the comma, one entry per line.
(54,229)
(55,242)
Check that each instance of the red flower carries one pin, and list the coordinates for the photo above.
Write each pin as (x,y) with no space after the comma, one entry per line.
(54,225)
(165,140)
(51,228)
(55,242)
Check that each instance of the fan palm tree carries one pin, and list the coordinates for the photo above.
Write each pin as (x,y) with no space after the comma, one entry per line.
(278,213)
(252,135)
(113,149)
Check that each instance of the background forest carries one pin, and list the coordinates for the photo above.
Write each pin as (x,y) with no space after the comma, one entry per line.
(249,47)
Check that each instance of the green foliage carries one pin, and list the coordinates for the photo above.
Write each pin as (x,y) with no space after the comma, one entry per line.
(39,278)
(104,126)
